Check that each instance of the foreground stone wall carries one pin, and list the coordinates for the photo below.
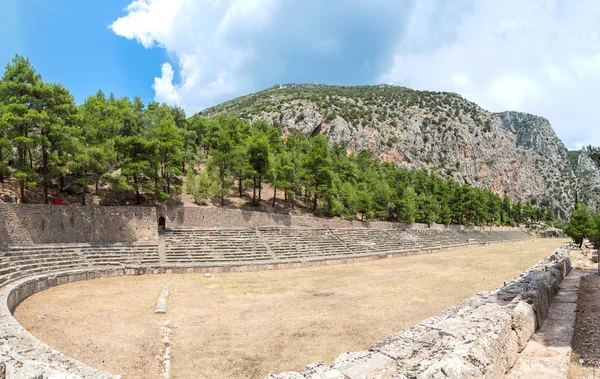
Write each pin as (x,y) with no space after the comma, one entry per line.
(40,224)
(478,338)
(217,217)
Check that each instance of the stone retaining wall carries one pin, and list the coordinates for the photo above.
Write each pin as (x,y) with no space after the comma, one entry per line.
(39,224)
(478,338)
(218,217)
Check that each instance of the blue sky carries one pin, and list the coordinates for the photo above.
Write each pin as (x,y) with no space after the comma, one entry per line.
(537,56)
(69,41)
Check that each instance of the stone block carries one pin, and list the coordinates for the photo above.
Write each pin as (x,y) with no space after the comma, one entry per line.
(523,323)
(362,364)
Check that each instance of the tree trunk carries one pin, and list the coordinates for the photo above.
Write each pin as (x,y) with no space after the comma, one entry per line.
(254,189)
(44,169)
(240,186)
(222,189)
(259,187)
(1,172)
(315,203)
(274,193)
(137,190)
(169,184)
(22,190)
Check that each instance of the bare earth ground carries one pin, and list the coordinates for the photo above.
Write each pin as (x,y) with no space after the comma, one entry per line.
(246,325)
(586,341)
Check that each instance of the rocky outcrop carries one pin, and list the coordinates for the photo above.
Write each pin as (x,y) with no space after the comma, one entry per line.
(588,181)
(478,338)
(509,153)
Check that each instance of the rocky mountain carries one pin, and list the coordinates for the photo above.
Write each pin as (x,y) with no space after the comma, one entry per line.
(510,152)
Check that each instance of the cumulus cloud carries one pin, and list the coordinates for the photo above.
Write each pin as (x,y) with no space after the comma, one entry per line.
(538,56)
(226,48)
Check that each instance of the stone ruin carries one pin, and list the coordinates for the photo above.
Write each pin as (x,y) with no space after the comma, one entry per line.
(477,338)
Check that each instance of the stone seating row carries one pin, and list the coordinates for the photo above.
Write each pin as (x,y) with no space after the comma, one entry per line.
(261,244)
(298,243)
(199,246)
(206,245)
(19,261)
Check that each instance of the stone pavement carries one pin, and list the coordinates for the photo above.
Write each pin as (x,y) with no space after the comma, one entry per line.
(548,353)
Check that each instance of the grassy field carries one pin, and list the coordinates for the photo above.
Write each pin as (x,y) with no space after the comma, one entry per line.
(246,325)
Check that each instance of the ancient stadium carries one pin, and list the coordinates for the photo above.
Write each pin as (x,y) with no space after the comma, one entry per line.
(142,292)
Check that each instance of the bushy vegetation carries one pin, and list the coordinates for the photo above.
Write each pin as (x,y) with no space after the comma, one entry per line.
(148,149)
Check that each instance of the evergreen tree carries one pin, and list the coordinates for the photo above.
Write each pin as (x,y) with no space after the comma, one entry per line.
(408,206)
(317,166)
(190,182)
(581,225)
(258,156)
(205,187)
(594,235)
(20,90)
(363,201)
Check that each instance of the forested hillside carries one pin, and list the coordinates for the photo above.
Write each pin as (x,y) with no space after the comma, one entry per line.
(154,153)
(511,153)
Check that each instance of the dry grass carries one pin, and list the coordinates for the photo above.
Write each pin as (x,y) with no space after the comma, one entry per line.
(245,325)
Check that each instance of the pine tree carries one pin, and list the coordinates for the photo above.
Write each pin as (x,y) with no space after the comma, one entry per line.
(190,182)
(205,187)
(408,206)
(317,167)
(20,90)
(581,225)
(258,156)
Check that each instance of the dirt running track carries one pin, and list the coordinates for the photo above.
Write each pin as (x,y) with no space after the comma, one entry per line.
(246,325)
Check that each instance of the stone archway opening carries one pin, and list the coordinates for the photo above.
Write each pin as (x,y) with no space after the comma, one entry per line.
(162,224)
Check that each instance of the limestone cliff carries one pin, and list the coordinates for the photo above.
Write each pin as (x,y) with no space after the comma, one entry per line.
(509,153)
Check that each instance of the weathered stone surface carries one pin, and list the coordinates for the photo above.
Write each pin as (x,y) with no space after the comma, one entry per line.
(161,302)
(523,323)
(361,364)
(320,370)
(215,217)
(41,224)
(286,375)
(547,354)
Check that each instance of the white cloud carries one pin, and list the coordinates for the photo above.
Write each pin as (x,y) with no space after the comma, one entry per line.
(166,91)
(221,49)
(538,56)
(195,33)
(148,21)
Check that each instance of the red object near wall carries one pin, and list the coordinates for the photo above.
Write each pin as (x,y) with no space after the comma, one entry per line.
(58,201)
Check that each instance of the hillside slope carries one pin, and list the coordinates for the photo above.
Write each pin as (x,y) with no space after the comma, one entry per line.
(510,152)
